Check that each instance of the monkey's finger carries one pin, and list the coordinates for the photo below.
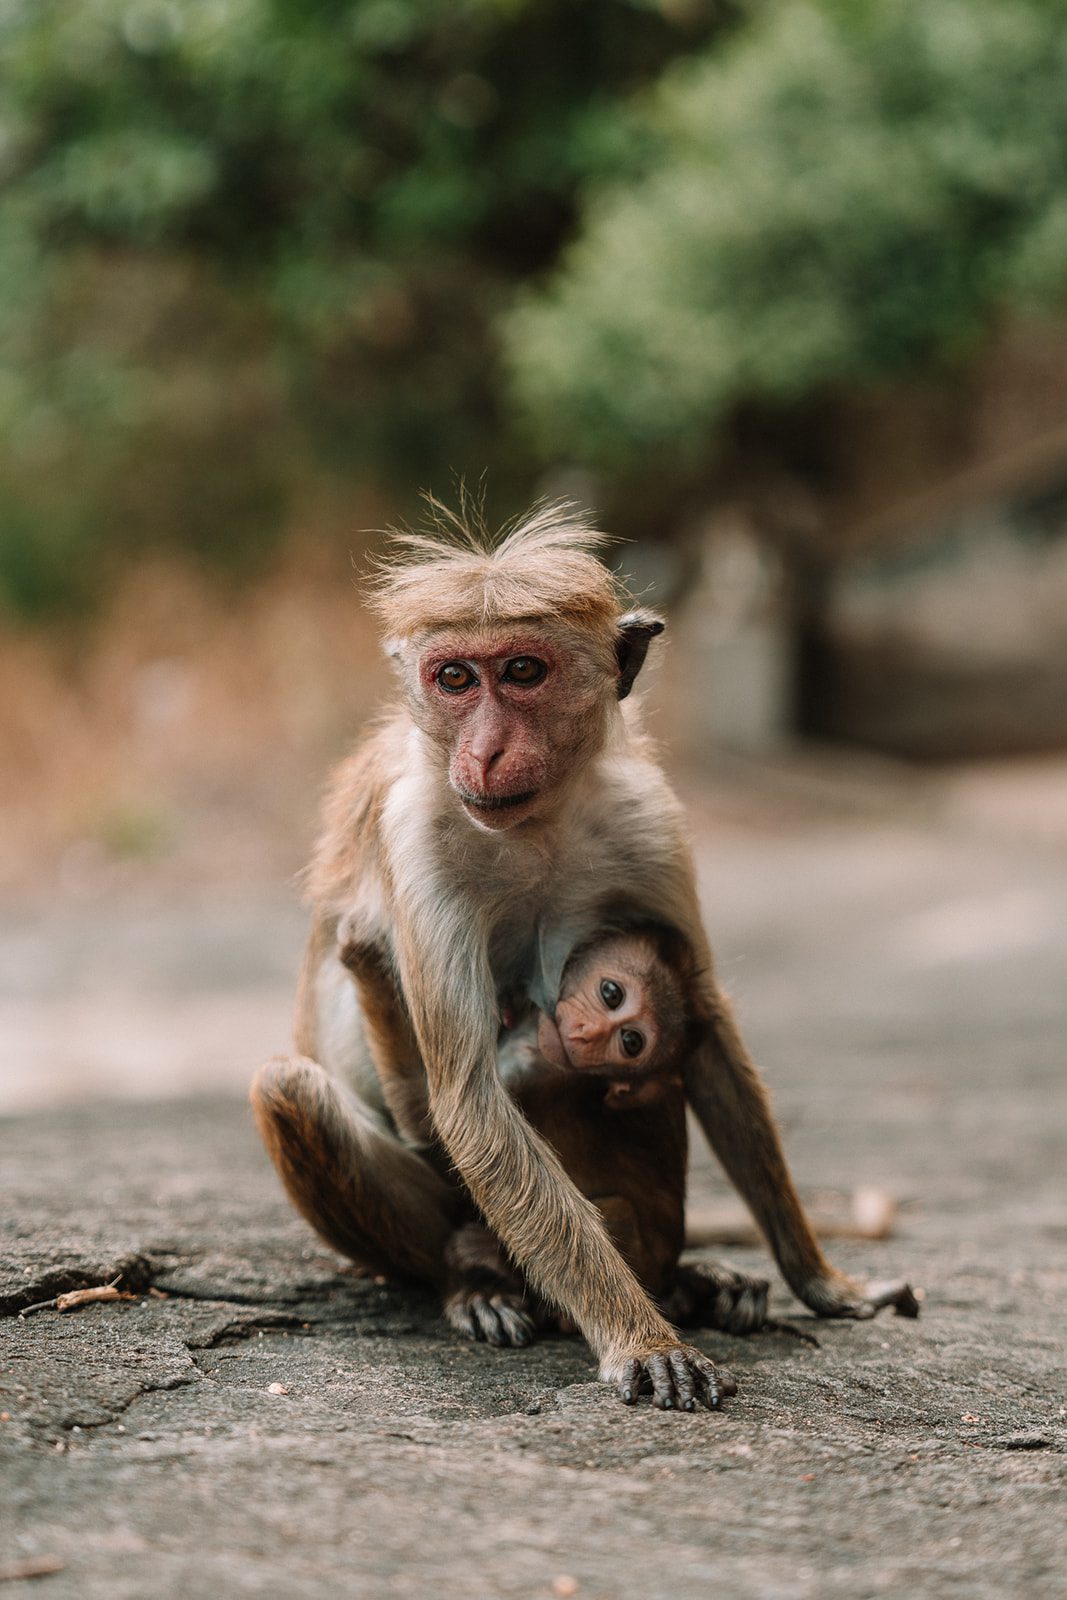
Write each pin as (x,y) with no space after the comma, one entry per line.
(517,1326)
(716,1384)
(750,1314)
(460,1318)
(630,1383)
(684,1380)
(659,1370)
(725,1302)
(748,1309)
(490,1327)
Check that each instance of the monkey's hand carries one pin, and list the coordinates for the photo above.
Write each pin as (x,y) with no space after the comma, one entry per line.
(637,1094)
(675,1375)
(834,1295)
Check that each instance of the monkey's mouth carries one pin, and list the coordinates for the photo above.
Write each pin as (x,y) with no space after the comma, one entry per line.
(496,802)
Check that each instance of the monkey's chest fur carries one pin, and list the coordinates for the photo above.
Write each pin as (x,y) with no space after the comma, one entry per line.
(614,860)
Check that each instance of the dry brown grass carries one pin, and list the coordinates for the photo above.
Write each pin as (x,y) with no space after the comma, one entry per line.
(184,732)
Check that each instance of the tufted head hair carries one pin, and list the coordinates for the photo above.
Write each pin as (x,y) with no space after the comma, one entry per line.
(459,572)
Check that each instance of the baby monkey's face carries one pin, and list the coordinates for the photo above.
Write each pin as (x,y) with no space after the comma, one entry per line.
(606,1016)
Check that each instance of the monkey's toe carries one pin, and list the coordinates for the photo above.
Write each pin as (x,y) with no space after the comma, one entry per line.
(499,1319)
(838,1296)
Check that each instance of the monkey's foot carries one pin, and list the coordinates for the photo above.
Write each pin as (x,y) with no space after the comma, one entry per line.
(485,1298)
(676,1377)
(499,1317)
(710,1295)
(838,1296)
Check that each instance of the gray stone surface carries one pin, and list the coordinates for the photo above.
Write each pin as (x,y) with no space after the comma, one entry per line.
(905,990)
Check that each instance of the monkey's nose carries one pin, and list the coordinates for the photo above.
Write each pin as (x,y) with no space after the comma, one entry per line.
(487,763)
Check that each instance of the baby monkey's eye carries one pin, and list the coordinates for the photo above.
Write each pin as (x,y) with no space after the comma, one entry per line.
(526,670)
(632,1042)
(454,677)
(611,993)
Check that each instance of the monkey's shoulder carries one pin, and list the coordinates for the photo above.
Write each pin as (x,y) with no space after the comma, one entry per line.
(626,823)
(349,842)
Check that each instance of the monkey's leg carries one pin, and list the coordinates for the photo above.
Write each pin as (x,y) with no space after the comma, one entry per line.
(485,1298)
(359,1187)
(729,1098)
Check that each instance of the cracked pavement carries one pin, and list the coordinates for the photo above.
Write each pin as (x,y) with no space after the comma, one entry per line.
(258,1422)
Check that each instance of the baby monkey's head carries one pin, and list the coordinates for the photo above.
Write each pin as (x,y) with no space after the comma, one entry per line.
(625,1004)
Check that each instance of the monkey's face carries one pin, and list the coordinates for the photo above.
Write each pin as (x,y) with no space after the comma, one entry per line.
(606,1017)
(517,709)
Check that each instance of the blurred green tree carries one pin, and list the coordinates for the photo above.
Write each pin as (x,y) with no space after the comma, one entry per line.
(844,190)
(244,241)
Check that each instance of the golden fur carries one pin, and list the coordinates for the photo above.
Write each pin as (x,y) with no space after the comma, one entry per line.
(457,907)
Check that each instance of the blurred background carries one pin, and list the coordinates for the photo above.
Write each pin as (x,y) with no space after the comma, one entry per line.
(778,290)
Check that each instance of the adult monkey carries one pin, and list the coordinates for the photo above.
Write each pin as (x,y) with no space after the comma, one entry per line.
(509,794)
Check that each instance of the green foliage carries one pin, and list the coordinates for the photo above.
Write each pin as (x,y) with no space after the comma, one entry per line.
(246,245)
(244,242)
(848,189)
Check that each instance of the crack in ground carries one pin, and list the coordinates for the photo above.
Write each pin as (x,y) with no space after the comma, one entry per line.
(134,1273)
(119,1409)
(237,1332)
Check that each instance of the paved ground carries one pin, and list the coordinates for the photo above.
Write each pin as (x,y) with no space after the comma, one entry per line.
(905,989)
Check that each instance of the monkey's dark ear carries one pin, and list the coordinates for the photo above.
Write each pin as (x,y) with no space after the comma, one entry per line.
(635,632)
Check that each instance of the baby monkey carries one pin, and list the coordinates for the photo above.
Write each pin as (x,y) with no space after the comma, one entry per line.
(623,1014)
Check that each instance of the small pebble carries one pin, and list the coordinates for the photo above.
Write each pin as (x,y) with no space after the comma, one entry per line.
(564,1586)
(277,1388)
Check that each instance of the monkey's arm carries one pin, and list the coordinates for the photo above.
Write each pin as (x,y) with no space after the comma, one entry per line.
(731,1103)
(391,1041)
(550,1229)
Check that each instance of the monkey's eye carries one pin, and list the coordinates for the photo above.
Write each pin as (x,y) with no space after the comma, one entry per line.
(526,670)
(454,677)
(611,993)
(632,1042)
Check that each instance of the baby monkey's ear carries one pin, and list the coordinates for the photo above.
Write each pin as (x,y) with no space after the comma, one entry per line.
(634,633)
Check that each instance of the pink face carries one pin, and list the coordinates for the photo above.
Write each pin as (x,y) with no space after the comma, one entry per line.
(515,711)
(605,1019)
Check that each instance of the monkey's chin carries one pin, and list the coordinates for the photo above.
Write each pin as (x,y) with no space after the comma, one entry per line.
(496,813)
